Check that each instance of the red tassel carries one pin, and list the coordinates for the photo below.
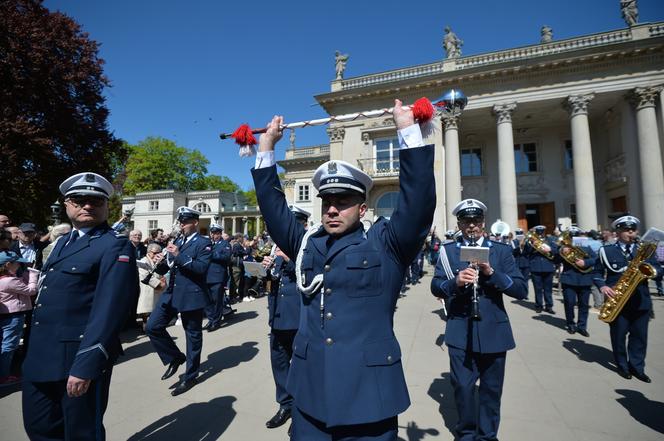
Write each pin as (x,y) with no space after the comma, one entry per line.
(243,136)
(423,110)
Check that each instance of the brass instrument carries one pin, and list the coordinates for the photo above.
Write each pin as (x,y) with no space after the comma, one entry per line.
(637,271)
(538,243)
(501,230)
(571,253)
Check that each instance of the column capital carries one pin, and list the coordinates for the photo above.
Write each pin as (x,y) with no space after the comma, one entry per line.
(450,120)
(578,104)
(503,112)
(641,97)
(336,134)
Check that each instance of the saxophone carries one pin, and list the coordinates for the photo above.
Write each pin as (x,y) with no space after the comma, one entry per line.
(571,253)
(637,271)
(538,243)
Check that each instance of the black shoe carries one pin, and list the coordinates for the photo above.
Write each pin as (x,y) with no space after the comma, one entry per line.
(583,332)
(207,326)
(640,376)
(550,310)
(538,309)
(571,329)
(173,368)
(213,328)
(279,418)
(184,387)
(623,373)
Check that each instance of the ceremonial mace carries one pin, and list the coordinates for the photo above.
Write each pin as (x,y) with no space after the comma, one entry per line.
(451,102)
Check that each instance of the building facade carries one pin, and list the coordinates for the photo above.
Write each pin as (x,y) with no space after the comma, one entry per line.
(560,132)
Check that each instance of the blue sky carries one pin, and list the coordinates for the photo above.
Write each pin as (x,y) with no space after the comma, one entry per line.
(188,70)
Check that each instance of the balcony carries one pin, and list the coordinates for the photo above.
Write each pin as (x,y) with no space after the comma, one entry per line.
(379,167)
(308,152)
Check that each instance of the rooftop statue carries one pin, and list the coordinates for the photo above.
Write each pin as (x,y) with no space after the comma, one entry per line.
(340,61)
(630,12)
(452,43)
(547,34)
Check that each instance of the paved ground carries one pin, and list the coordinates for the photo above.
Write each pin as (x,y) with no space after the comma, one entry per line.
(557,387)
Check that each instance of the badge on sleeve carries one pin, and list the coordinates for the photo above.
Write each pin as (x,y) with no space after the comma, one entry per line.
(123,258)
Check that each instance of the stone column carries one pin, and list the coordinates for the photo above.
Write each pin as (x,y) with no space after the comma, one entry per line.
(650,157)
(582,157)
(509,211)
(258,225)
(245,230)
(452,165)
(234,224)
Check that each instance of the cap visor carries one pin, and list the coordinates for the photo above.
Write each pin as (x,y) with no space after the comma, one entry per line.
(338,191)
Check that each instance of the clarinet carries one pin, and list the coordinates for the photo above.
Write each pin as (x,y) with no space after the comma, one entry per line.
(475,302)
(146,279)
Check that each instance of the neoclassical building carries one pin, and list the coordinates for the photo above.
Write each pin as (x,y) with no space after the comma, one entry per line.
(561,132)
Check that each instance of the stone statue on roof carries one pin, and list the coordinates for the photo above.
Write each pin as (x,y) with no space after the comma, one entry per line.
(452,43)
(630,12)
(340,61)
(291,138)
(547,34)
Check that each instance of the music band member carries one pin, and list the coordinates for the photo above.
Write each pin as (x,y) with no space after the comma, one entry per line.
(217,277)
(187,293)
(346,375)
(89,286)
(284,318)
(576,281)
(477,346)
(631,325)
(542,269)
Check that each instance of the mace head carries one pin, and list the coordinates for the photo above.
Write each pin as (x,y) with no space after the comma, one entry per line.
(451,101)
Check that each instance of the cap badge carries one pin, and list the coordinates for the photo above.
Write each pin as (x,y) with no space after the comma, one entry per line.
(89,177)
(332,168)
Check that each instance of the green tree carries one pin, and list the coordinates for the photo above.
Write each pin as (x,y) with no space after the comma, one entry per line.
(53,115)
(216,182)
(251,196)
(158,163)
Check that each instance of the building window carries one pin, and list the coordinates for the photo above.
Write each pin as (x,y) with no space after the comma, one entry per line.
(572,213)
(471,162)
(386,204)
(154,206)
(153,225)
(387,155)
(202,207)
(525,157)
(303,193)
(569,157)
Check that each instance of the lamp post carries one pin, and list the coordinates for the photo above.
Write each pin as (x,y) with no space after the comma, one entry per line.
(56,209)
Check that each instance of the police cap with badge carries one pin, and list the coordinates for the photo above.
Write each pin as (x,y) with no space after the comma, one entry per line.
(626,223)
(469,208)
(574,231)
(216,228)
(300,214)
(340,177)
(186,214)
(86,184)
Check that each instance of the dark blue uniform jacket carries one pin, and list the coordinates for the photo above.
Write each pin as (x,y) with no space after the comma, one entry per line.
(522,260)
(539,263)
(346,367)
(219,262)
(573,277)
(493,333)
(86,293)
(284,300)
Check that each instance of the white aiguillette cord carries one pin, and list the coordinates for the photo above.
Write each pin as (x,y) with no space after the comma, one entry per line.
(317,282)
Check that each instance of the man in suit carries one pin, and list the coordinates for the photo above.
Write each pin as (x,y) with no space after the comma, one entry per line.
(284,318)
(217,277)
(346,376)
(576,282)
(631,325)
(477,346)
(89,284)
(542,266)
(187,293)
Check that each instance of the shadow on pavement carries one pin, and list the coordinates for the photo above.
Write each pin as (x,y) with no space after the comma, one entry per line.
(414,433)
(136,351)
(238,317)
(227,358)
(441,391)
(642,409)
(590,353)
(440,313)
(525,303)
(551,320)
(195,421)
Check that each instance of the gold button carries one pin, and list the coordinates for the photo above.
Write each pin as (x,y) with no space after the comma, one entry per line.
(328,291)
(327,267)
(329,341)
(328,316)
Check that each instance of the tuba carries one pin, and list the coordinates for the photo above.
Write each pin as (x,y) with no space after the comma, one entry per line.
(536,242)
(637,271)
(500,229)
(571,253)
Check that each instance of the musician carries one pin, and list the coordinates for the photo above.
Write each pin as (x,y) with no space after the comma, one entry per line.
(346,375)
(522,261)
(89,285)
(217,277)
(477,348)
(284,318)
(632,322)
(576,286)
(187,293)
(542,269)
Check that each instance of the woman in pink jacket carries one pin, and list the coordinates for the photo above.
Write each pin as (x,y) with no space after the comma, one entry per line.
(15,300)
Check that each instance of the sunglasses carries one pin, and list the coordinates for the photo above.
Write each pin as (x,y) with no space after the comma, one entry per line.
(81,201)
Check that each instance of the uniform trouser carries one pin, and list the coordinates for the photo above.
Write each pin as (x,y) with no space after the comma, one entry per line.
(49,414)
(466,368)
(414,272)
(165,346)
(573,295)
(237,284)
(307,428)
(633,327)
(543,284)
(214,310)
(281,352)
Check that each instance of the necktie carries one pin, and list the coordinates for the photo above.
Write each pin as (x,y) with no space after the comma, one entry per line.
(628,250)
(72,238)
